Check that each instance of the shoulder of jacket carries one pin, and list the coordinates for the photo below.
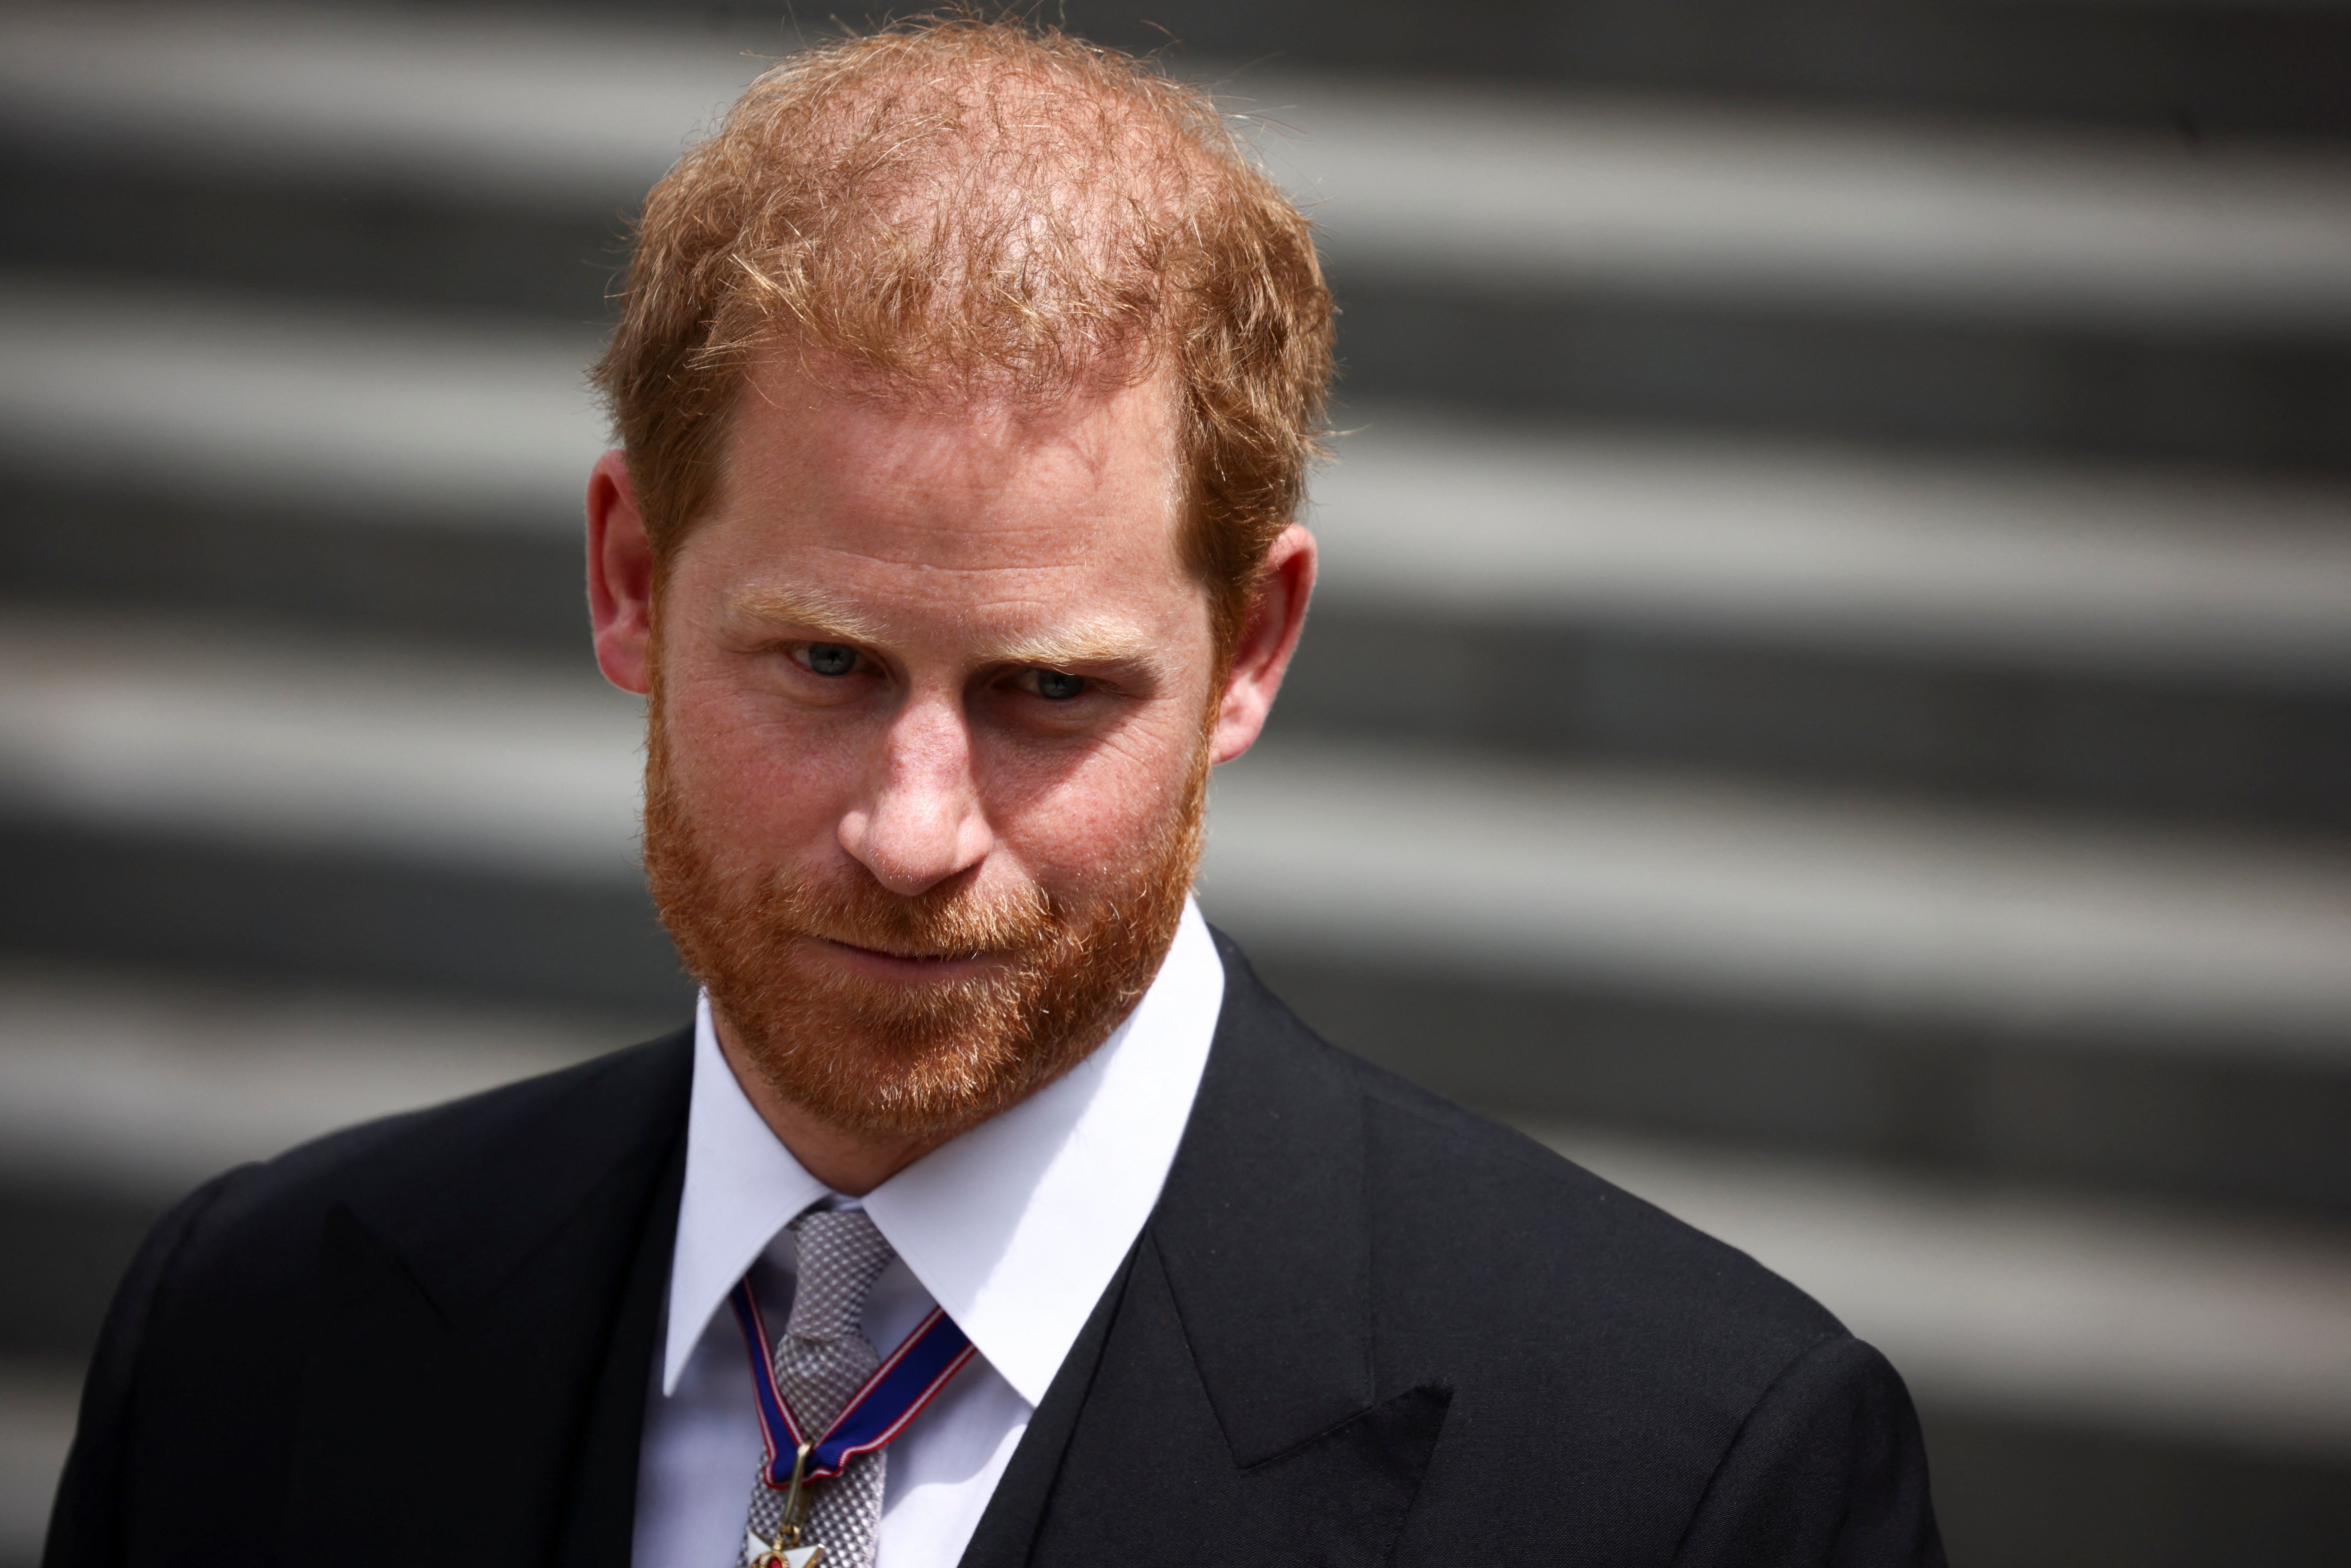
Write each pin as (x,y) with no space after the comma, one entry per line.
(431,1156)
(1439,1173)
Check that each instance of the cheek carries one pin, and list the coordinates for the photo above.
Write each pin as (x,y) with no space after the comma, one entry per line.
(1083,823)
(765,781)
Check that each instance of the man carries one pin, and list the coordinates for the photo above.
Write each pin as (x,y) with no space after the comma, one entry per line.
(990,1211)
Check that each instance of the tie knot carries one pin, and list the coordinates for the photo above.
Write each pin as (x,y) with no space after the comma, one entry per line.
(841,1254)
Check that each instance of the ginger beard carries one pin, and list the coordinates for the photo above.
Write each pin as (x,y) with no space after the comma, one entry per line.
(920,1059)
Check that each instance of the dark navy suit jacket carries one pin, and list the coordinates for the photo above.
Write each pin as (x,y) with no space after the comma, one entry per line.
(1363,1326)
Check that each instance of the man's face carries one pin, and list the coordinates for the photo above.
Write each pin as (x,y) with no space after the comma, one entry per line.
(931,721)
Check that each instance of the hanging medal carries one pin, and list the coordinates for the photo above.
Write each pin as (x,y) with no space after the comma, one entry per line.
(786,1550)
(924,1363)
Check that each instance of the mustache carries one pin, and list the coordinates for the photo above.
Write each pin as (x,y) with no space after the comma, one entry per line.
(938,923)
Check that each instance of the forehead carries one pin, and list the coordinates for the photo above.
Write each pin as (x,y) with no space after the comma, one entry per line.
(951,485)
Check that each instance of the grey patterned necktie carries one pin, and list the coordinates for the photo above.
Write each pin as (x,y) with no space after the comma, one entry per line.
(822,1358)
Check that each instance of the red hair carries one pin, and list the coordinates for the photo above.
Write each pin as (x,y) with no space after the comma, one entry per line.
(968,208)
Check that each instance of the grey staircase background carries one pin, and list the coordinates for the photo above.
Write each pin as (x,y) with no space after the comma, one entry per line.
(1828,702)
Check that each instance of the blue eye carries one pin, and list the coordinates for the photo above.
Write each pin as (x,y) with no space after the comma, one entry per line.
(1054,686)
(830,658)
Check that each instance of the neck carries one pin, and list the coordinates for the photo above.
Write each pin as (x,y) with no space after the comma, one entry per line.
(850,1164)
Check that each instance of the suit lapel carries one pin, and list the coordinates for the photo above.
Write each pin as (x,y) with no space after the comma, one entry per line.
(1231,1406)
(476,1375)
(1006,1532)
(476,1379)
(600,1500)
(1262,1234)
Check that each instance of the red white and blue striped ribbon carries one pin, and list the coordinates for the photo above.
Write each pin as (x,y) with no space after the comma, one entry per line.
(909,1378)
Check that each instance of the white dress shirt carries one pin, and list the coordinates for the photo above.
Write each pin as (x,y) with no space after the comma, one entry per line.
(1015,1228)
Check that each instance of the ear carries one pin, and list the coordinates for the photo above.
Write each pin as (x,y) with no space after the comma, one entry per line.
(620,576)
(1277,614)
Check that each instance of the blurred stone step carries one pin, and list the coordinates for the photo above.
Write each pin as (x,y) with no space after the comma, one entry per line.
(2163,1321)
(381,812)
(1989,991)
(1980,991)
(2132,639)
(474,156)
(37,1400)
(251,453)
(123,1088)
(2153,639)
(2191,71)
(1879,278)
(2270,65)
(1722,890)
(1410,175)
(146,1082)
(1582,253)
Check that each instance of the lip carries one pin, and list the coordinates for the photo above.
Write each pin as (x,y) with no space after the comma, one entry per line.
(916,968)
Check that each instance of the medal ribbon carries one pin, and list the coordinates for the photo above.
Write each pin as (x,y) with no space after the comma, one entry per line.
(912,1376)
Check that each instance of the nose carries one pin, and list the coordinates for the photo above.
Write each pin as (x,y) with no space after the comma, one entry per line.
(922,822)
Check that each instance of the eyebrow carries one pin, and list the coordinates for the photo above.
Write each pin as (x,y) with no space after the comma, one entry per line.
(818,612)
(1088,643)
(1096,642)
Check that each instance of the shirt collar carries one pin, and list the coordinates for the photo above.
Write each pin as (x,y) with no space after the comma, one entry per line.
(742,1185)
(1016,1227)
